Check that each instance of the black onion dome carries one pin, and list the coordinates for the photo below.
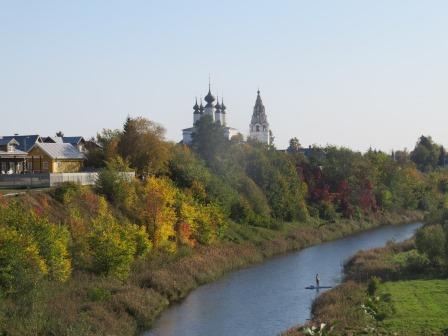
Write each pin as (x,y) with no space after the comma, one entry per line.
(217,106)
(223,107)
(201,107)
(209,98)
(196,107)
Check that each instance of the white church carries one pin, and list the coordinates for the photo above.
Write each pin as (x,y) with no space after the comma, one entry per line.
(258,128)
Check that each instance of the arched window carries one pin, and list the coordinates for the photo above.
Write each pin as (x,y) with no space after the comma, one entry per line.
(258,128)
(264,127)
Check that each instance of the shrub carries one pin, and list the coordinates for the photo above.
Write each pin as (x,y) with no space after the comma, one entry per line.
(327,211)
(416,263)
(373,285)
(431,241)
(111,185)
(21,267)
(65,192)
(98,294)
(112,251)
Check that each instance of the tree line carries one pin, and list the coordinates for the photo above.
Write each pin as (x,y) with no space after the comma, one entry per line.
(188,196)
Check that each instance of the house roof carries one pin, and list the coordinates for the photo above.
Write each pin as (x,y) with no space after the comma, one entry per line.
(60,151)
(74,140)
(13,154)
(4,142)
(25,141)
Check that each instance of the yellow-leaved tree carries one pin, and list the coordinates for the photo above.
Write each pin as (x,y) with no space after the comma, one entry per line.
(160,212)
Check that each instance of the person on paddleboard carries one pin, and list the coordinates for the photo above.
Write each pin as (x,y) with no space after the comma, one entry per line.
(317,280)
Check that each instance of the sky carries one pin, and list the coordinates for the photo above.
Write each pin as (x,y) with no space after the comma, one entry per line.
(358,74)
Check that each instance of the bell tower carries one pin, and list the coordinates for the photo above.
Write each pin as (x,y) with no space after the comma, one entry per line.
(259,126)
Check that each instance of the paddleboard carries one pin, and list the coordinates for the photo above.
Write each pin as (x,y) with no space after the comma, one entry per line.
(320,287)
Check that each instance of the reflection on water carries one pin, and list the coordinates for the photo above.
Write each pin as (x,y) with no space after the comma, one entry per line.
(268,298)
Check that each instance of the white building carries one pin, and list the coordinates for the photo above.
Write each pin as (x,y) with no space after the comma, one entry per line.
(216,111)
(259,126)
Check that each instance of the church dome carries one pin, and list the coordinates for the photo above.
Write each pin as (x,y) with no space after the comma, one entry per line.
(196,107)
(209,98)
(217,106)
(223,107)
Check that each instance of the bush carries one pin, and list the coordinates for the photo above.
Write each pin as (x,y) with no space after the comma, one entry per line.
(112,250)
(65,192)
(327,211)
(431,241)
(111,185)
(98,294)
(21,267)
(416,263)
(373,285)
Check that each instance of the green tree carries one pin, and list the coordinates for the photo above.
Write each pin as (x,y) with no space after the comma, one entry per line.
(426,154)
(112,248)
(294,145)
(208,139)
(21,266)
(431,241)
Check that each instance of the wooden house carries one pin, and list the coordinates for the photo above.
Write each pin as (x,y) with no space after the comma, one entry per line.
(12,160)
(55,158)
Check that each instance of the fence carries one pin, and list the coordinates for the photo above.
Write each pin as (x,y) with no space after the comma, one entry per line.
(45,180)
(25,181)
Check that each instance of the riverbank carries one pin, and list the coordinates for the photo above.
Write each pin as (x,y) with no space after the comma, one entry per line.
(92,305)
(398,289)
(175,280)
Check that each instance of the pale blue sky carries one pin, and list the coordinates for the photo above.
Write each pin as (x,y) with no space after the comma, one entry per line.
(350,73)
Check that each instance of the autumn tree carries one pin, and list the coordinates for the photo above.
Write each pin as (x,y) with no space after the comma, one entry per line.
(160,212)
(143,144)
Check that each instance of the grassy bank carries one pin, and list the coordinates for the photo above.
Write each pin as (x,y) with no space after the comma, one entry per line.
(93,305)
(419,306)
(394,290)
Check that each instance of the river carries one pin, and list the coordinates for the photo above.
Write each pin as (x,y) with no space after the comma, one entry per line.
(269,298)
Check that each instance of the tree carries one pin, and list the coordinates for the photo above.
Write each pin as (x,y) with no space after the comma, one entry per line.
(21,266)
(143,144)
(426,154)
(113,249)
(208,139)
(431,241)
(442,157)
(111,183)
(271,139)
(160,212)
(294,145)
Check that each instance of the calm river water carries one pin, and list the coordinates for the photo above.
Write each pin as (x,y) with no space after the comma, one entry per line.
(271,297)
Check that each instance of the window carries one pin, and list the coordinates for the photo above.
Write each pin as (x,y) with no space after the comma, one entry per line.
(3,167)
(45,165)
(258,128)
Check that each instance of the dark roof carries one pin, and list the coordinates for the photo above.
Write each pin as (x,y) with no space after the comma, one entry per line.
(25,141)
(74,140)
(4,142)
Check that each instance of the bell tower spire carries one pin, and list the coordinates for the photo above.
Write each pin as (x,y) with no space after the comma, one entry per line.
(259,126)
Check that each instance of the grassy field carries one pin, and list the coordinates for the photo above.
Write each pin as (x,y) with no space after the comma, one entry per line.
(421,306)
